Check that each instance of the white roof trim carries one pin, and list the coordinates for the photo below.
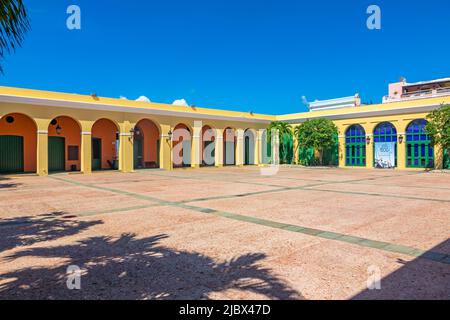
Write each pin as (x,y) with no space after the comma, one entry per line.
(371,113)
(108,107)
(427,82)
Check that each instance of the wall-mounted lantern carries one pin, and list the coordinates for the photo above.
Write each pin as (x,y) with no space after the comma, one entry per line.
(135,131)
(169,135)
(400,139)
(368,140)
(58,129)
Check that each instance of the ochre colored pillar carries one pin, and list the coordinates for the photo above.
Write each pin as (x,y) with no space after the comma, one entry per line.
(342,151)
(341,139)
(195,154)
(240,147)
(218,148)
(126,160)
(86,152)
(368,128)
(256,151)
(165,152)
(42,153)
(42,146)
(86,146)
(259,142)
(401,147)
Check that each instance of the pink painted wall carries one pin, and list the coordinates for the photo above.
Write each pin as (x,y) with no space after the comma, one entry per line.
(106,130)
(396,87)
(26,128)
(72,133)
(151,136)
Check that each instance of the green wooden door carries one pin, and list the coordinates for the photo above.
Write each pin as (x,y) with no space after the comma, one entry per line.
(247,151)
(228,153)
(138,154)
(96,154)
(213,154)
(158,148)
(446,159)
(187,153)
(56,154)
(11,154)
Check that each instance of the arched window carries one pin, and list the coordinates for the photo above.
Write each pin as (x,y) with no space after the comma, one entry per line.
(419,151)
(385,132)
(355,146)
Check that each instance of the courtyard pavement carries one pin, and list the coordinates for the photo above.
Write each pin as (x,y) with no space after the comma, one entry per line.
(228,233)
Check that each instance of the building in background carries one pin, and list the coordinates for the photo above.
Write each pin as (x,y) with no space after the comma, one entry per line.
(338,103)
(402,91)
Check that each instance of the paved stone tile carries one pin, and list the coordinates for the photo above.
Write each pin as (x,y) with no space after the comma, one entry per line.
(141,236)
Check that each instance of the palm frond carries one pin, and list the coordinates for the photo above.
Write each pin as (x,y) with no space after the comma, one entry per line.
(13,26)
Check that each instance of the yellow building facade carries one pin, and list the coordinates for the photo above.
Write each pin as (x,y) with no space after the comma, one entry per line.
(45,131)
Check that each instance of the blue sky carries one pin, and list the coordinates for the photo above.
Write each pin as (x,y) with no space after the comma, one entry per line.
(248,55)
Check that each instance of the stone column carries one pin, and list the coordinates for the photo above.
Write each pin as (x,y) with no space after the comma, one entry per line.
(368,128)
(165,152)
(256,151)
(126,151)
(219,148)
(42,146)
(86,146)
(196,148)
(401,147)
(341,139)
(240,147)
(86,152)
(42,153)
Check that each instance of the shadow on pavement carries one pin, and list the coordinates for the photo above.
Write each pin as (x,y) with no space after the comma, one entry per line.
(28,230)
(417,279)
(9,185)
(132,268)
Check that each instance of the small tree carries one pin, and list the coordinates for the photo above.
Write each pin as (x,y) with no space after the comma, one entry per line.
(284,130)
(318,134)
(438,127)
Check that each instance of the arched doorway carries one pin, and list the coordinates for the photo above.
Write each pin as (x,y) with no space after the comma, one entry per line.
(229,147)
(355,146)
(105,145)
(146,145)
(249,147)
(419,151)
(208,149)
(181,146)
(385,145)
(64,145)
(18,144)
